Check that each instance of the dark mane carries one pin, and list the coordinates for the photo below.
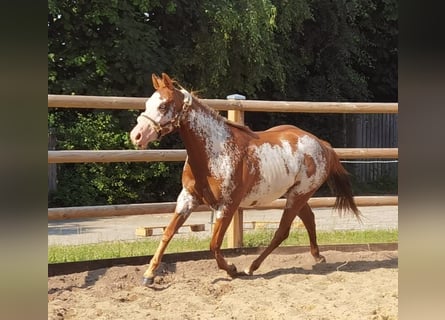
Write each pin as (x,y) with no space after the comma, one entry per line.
(216,114)
(242,127)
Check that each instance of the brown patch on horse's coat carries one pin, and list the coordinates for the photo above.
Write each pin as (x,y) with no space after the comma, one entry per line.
(287,168)
(310,165)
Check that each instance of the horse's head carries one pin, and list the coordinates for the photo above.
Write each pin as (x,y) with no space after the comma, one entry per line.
(163,112)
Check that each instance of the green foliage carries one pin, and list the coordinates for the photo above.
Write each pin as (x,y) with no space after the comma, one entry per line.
(102,47)
(105,183)
(320,50)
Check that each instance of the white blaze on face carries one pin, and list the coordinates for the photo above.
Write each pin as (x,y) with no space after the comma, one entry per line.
(152,105)
(216,136)
(145,130)
(280,168)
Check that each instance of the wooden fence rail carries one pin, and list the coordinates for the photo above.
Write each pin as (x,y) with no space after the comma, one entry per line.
(79,156)
(101,102)
(68,213)
(236,109)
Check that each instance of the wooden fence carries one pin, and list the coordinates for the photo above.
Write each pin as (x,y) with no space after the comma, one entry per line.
(235,112)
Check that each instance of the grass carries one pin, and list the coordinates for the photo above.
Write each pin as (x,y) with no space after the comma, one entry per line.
(106,250)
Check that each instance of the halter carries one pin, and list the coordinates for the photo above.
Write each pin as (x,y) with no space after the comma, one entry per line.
(176,121)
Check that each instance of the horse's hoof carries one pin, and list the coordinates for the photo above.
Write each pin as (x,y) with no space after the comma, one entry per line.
(231,271)
(147,281)
(320,259)
(247,272)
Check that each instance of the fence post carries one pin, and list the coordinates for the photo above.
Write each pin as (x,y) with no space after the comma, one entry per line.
(52,167)
(235,231)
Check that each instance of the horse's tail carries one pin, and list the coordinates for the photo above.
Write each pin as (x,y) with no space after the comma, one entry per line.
(340,185)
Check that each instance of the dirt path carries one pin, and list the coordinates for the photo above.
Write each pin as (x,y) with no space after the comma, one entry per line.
(351,285)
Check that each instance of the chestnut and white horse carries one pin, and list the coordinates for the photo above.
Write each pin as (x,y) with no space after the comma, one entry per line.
(229,166)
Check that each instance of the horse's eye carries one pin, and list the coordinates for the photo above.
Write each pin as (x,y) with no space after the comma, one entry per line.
(163,108)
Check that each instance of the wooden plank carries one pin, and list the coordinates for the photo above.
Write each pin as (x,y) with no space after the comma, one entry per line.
(235,230)
(144,232)
(266,224)
(106,156)
(148,231)
(82,212)
(81,156)
(134,103)
(326,202)
(67,213)
(96,102)
(367,153)
(52,168)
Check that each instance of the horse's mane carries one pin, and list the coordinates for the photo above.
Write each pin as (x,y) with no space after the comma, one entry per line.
(242,127)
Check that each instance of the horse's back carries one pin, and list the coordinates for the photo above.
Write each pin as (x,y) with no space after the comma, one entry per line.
(283,133)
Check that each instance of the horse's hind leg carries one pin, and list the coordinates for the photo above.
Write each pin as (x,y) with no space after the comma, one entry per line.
(307,216)
(289,214)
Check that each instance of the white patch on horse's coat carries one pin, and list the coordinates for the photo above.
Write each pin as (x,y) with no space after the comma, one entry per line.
(219,214)
(280,168)
(217,138)
(311,147)
(274,179)
(151,107)
(185,202)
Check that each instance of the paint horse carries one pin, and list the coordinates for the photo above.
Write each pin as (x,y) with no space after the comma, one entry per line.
(229,166)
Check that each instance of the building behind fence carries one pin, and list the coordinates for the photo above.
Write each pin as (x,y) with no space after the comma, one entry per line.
(373,131)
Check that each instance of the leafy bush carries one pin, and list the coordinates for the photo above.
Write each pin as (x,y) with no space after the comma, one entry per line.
(106,183)
(318,50)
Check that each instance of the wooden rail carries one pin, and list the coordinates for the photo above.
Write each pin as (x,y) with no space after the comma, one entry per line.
(69,213)
(101,102)
(236,109)
(79,156)
(73,156)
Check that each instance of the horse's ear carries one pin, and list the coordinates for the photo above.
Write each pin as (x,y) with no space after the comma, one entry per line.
(155,79)
(167,81)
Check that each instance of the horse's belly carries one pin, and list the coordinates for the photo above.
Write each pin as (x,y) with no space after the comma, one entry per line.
(264,195)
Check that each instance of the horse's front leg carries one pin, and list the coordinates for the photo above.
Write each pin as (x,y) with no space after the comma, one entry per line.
(186,203)
(223,219)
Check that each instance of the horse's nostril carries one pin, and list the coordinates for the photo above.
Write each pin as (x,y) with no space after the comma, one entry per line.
(138,136)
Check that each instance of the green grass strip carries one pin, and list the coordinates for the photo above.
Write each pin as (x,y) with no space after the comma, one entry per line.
(118,249)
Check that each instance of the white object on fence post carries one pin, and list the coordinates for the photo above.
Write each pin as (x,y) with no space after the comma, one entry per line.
(235,231)
(236,96)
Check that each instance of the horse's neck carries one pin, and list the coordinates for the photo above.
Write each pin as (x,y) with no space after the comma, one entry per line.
(206,130)
(209,140)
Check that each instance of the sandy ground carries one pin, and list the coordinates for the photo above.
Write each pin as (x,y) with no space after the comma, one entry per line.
(350,285)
